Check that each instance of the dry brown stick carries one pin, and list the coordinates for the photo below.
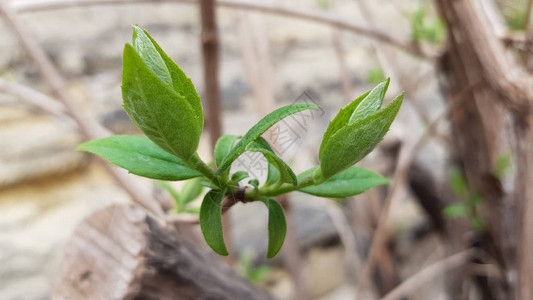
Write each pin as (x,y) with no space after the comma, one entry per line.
(527,16)
(407,153)
(427,274)
(89,128)
(265,6)
(210,56)
(34,98)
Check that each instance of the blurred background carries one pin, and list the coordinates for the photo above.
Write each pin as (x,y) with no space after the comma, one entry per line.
(452,224)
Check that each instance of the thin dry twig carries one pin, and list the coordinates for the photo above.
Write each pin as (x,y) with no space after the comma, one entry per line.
(35,99)
(427,274)
(264,6)
(89,128)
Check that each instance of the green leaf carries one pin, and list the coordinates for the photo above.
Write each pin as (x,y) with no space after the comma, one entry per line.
(140,156)
(211,221)
(191,190)
(259,128)
(156,109)
(371,103)
(193,210)
(352,142)
(454,211)
(239,175)
(277,227)
(181,83)
(350,182)
(253,182)
(149,54)
(223,147)
(341,119)
(175,195)
(286,173)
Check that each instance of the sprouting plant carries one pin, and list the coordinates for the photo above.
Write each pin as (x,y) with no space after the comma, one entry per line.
(162,102)
(470,201)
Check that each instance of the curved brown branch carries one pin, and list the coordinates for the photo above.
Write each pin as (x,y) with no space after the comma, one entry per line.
(329,18)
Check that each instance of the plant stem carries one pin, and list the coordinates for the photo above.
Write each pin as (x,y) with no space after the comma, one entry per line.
(196,163)
(276,190)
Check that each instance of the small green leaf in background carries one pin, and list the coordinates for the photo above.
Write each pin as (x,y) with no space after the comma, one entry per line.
(277,227)
(350,182)
(223,147)
(178,200)
(139,156)
(239,175)
(286,173)
(503,165)
(191,190)
(375,75)
(354,141)
(157,110)
(260,128)
(247,269)
(211,221)
(454,211)
(458,183)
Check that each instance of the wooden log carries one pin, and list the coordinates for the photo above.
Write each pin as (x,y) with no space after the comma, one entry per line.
(120,252)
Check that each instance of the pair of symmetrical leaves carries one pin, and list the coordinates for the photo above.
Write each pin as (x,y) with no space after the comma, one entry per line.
(163,103)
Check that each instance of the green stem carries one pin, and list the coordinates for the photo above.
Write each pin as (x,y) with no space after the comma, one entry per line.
(196,163)
(276,190)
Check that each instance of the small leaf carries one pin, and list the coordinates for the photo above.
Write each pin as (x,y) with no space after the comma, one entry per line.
(341,119)
(454,211)
(277,227)
(254,182)
(175,195)
(191,190)
(193,210)
(354,141)
(350,182)
(140,156)
(223,147)
(157,110)
(239,175)
(286,173)
(371,103)
(211,221)
(259,128)
(149,54)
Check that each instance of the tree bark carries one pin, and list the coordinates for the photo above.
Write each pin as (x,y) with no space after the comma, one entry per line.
(120,252)
(482,78)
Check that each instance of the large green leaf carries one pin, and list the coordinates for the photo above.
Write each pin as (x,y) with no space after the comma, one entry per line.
(180,82)
(140,156)
(277,227)
(350,182)
(354,141)
(155,108)
(149,54)
(211,221)
(223,147)
(371,103)
(286,174)
(259,128)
